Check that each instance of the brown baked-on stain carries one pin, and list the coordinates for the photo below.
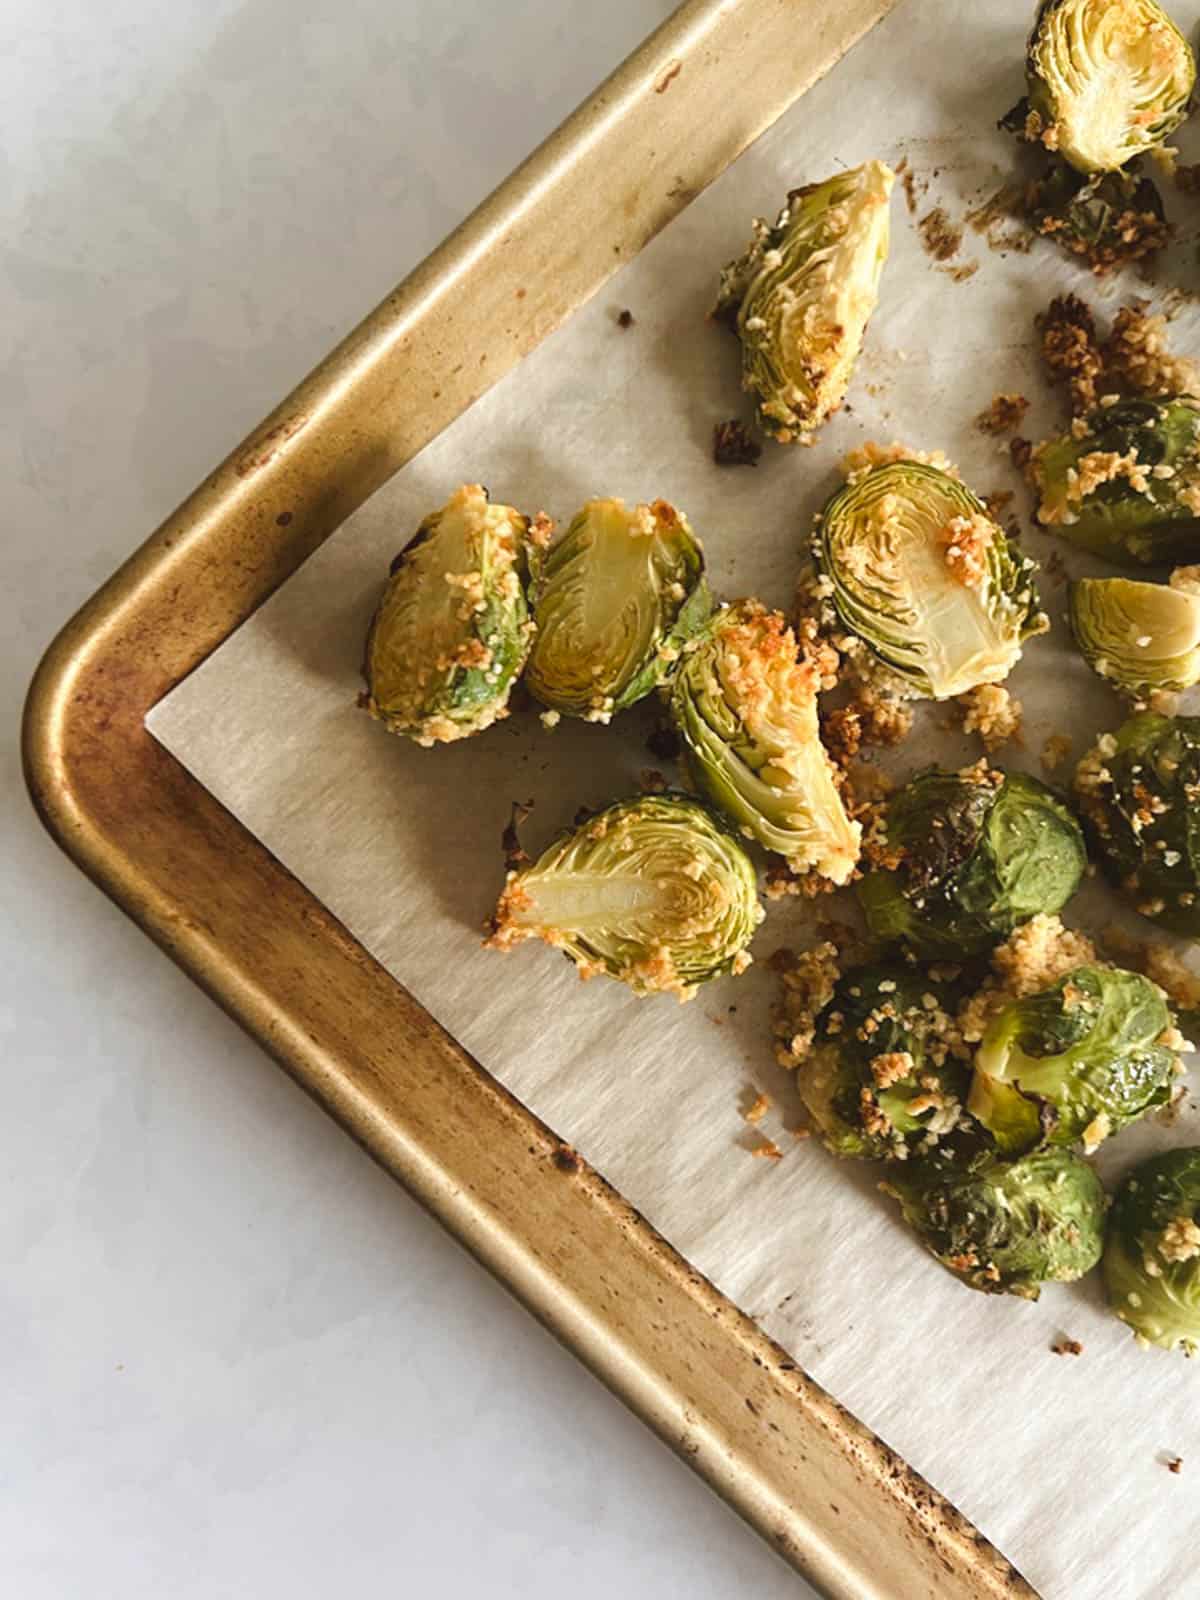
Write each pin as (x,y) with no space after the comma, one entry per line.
(734,445)
(909,183)
(940,237)
(625,319)
(565,1159)
(663,83)
(1175,1465)
(283,519)
(1005,414)
(1066,1347)
(264,450)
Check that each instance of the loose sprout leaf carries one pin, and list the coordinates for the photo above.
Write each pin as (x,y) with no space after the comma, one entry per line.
(653,891)
(802,295)
(620,593)
(1152,1258)
(745,706)
(926,578)
(1108,80)
(1142,637)
(452,630)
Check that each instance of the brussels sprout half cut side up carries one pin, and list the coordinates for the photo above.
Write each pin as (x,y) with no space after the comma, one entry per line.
(1005,1227)
(1139,794)
(1152,1259)
(880,1082)
(1077,1061)
(1108,80)
(969,856)
(744,703)
(1125,483)
(452,630)
(926,579)
(619,594)
(1143,637)
(802,295)
(653,891)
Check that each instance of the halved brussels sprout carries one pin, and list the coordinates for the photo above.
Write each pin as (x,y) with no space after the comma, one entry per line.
(975,853)
(1108,80)
(1139,792)
(879,1081)
(1077,1061)
(1143,637)
(802,295)
(1152,1259)
(745,706)
(619,594)
(1125,483)
(926,578)
(654,891)
(452,630)
(1005,1227)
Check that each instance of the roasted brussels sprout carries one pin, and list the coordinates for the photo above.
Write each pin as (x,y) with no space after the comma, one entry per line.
(1108,80)
(1125,483)
(654,891)
(452,630)
(745,706)
(925,577)
(1109,218)
(801,297)
(1077,1061)
(879,1081)
(1142,637)
(1005,1227)
(1152,1258)
(1138,793)
(618,595)
(967,857)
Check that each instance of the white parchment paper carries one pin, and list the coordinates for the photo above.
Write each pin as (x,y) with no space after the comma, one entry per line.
(1060,1460)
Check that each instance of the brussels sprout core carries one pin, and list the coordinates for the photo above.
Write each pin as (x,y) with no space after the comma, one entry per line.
(967,857)
(926,578)
(1108,80)
(801,297)
(745,706)
(1152,1260)
(1005,1227)
(619,594)
(452,630)
(1143,637)
(653,891)
(1077,1061)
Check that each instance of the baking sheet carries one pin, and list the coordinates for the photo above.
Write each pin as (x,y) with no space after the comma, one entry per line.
(1059,1460)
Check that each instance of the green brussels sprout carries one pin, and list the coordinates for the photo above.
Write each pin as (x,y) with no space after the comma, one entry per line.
(654,891)
(745,706)
(618,595)
(452,630)
(1109,218)
(879,1082)
(1077,1061)
(1108,80)
(1142,637)
(1125,483)
(926,579)
(969,856)
(1152,1258)
(802,295)
(1005,1227)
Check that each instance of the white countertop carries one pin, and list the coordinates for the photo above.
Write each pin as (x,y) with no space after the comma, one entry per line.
(238,1360)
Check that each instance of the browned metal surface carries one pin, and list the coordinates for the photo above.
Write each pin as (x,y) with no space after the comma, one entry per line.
(834,1500)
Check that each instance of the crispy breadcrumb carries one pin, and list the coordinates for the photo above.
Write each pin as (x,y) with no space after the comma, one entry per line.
(808,981)
(990,711)
(1070,350)
(1137,357)
(1005,414)
(1033,957)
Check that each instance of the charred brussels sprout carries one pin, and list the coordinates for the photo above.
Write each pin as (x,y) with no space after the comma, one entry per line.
(1139,792)
(968,857)
(1127,486)
(1108,80)
(1152,1259)
(801,297)
(452,630)
(1005,1227)
(1076,1061)
(653,891)
(880,1082)
(1109,218)
(744,703)
(619,594)
(1142,637)
(926,579)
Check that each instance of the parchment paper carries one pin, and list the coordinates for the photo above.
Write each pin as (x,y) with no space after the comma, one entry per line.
(1060,1460)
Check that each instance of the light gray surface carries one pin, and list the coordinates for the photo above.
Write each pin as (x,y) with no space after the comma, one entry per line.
(238,1361)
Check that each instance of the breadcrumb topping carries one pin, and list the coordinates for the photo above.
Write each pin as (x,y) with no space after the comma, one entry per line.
(808,983)
(1033,957)
(1138,359)
(992,713)
(966,543)
(870,455)
(1180,1240)
(1055,751)
(1004,415)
